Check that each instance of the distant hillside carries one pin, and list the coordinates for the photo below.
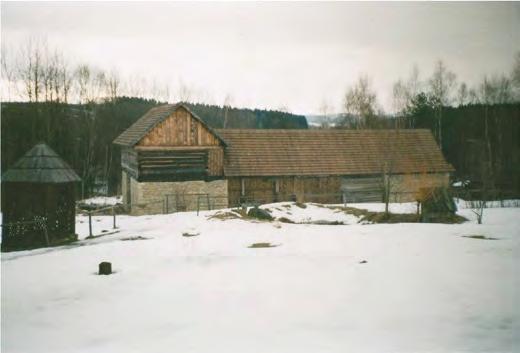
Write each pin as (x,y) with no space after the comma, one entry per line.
(83,134)
(245,118)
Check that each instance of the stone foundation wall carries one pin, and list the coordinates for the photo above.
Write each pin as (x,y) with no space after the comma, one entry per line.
(150,197)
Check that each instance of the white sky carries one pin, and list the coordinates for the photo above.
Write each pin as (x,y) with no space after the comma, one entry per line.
(275,54)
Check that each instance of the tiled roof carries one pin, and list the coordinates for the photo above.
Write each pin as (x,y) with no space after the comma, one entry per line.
(330,152)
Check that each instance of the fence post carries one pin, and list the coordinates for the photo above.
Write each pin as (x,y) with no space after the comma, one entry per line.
(198,204)
(207,198)
(167,204)
(44,226)
(89,224)
(114,215)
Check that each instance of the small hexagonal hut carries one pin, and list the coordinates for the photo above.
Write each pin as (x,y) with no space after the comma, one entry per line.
(38,200)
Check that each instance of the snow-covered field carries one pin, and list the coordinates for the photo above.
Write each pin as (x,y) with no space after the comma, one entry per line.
(322,288)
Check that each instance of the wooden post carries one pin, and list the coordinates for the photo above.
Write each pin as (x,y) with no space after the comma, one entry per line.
(114,215)
(105,268)
(198,204)
(44,226)
(89,224)
(207,198)
(167,204)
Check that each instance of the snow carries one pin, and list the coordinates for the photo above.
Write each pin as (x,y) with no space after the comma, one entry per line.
(405,207)
(423,288)
(310,213)
(103,200)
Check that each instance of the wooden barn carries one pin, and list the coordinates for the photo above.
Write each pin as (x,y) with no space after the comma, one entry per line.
(38,200)
(172,160)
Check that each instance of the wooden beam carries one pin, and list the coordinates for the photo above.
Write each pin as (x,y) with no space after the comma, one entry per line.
(181,148)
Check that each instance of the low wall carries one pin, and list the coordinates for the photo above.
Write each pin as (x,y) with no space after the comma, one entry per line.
(150,197)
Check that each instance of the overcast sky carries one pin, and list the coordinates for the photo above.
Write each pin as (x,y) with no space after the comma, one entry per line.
(275,54)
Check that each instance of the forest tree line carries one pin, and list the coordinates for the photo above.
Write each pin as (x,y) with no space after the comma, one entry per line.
(79,110)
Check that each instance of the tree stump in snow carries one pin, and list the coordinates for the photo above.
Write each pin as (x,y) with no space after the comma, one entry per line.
(105,268)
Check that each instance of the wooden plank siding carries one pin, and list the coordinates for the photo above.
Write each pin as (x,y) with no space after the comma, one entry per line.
(129,162)
(179,129)
(325,189)
(178,148)
(363,189)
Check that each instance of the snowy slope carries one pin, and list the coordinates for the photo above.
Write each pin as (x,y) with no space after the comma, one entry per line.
(423,288)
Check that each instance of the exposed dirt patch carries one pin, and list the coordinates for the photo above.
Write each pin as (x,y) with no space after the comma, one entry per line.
(262,245)
(137,237)
(285,220)
(476,236)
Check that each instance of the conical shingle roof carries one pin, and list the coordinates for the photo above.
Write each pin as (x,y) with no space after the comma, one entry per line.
(40,165)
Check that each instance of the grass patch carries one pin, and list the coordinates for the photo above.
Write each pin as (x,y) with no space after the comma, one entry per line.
(328,223)
(226,215)
(261,245)
(300,205)
(476,236)
(190,234)
(449,219)
(383,217)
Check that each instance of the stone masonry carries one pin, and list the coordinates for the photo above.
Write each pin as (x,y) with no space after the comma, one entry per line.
(161,197)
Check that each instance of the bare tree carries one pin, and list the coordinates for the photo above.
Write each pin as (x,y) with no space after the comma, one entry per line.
(473,96)
(30,67)
(8,73)
(360,101)
(65,79)
(403,93)
(462,94)
(400,96)
(112,83)
(441,87)
(136,86)
(91,84)
(496,90)
(227,104)
(82,79)
(515,77)
(185,93)
(325,112)
(389,153)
